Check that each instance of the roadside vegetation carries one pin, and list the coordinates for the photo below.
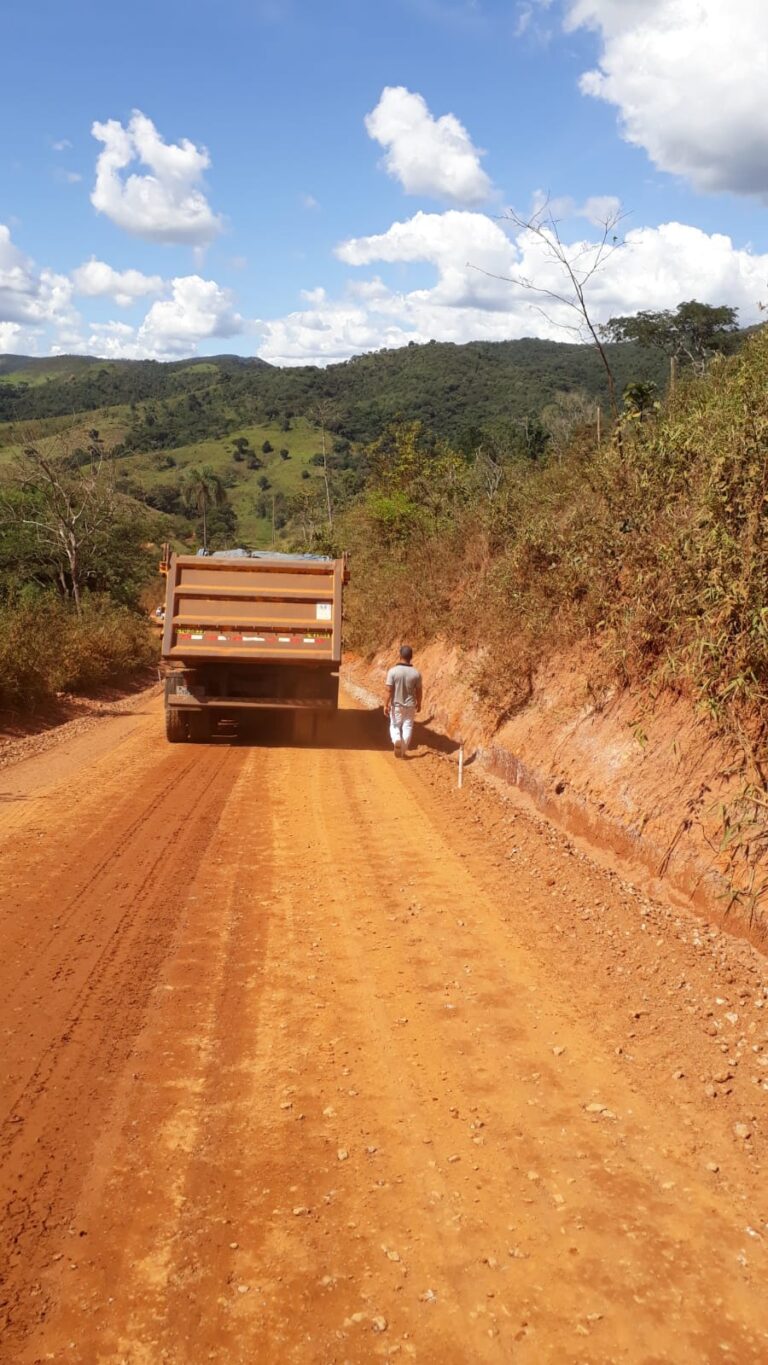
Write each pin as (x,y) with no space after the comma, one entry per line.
(653,550)
(46,649)
(484,490)
(75,564)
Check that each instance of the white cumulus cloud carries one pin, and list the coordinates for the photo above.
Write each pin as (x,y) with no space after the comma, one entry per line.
(29,296)
(658,268)
(688,78)
(114,341)
(95,279)
(197,310)
(429,156)
(10,338)
(167,202)
(449,241)
(19,284)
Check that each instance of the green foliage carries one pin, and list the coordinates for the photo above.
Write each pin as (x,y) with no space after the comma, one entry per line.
(395,516)
(203,491)
(75,562)
(215,411)
(657,552)
(63,523)
(694,331)
(640,400)
(448,388)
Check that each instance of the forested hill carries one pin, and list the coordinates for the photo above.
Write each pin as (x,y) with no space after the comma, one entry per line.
(451,388)
(54,386)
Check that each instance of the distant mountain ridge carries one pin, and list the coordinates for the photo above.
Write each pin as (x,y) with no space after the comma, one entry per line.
(448,386)
(13,364)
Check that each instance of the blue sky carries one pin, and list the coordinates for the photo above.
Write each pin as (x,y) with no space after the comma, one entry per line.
(271,218)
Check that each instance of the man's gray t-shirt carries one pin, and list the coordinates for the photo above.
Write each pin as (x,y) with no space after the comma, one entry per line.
(405,681)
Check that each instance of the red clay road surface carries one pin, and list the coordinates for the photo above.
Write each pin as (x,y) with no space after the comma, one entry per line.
(308,1056)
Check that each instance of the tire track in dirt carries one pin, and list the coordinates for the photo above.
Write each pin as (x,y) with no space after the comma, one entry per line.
(370,1100)
(97,955)
(75,1012)
(127,837)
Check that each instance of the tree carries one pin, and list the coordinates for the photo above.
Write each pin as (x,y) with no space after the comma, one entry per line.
(285,453)
(322,414)
(201,489)
(222,526)
(693,332)
(415,480)
(307,510)
(533,437)
(267,448)
(63,505)
(640,400)
(577,266)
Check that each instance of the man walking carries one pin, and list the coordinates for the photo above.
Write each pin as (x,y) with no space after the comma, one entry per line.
(403,700)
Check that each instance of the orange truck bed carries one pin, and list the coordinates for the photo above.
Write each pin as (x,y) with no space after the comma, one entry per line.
(253,629)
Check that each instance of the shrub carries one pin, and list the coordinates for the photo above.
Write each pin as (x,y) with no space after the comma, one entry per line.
(656,550)
(45,648)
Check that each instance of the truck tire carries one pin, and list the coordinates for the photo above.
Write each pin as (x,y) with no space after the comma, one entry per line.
(175,728)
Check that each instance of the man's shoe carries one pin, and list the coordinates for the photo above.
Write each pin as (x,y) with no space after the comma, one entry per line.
(398,748)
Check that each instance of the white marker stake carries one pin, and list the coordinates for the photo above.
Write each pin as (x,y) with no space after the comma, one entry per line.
(461,765)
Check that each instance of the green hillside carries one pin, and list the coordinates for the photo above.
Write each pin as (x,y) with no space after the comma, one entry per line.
(450,388)
(151,474)
(32,387)
(160,419)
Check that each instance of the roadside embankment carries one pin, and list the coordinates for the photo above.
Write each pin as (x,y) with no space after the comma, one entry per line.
(644,780)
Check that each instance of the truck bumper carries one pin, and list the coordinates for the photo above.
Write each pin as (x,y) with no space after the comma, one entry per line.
(189,702)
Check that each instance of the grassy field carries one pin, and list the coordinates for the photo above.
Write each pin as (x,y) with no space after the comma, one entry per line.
(111,423)
(36,370)
(285,476)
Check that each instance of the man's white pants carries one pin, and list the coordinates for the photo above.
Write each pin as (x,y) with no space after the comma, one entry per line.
(401,720)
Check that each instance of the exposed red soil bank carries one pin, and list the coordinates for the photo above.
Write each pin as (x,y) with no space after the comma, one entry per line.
(645,779)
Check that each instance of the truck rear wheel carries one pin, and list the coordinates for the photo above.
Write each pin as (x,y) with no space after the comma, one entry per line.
(175,729)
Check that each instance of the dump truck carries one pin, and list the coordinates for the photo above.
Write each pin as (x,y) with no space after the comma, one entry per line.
(247,631)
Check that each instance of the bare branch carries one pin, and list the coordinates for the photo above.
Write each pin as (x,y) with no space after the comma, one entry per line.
(64,505)
(580,266)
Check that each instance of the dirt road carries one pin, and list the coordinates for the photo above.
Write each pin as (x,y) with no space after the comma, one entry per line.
(310,1057)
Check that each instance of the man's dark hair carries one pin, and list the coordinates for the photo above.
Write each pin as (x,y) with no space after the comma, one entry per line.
(406,653)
